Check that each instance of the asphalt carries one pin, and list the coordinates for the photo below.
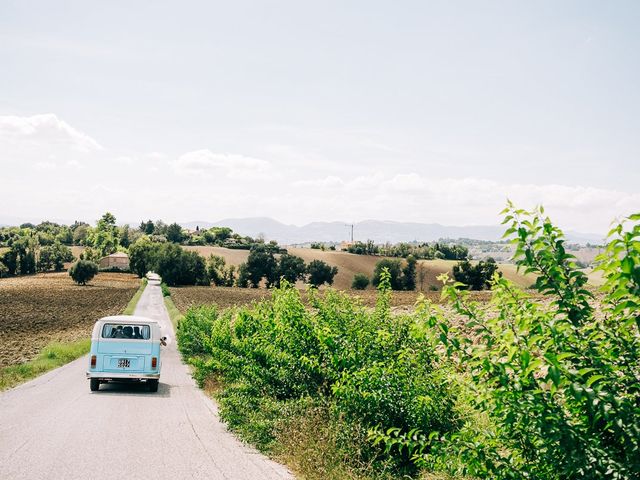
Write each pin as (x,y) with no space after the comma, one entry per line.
(53,427)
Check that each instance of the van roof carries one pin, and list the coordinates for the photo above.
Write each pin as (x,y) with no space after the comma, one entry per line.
(127,319)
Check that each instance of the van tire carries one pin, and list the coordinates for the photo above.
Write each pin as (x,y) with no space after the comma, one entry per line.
(153,385)
(94,384)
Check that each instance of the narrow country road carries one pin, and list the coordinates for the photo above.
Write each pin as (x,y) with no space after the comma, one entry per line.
(55,428)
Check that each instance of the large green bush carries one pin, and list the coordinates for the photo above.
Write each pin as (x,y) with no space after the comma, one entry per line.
(559,383)
(83,271)
(373,369)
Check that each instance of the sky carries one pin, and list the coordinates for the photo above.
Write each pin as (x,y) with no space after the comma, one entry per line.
(424,111)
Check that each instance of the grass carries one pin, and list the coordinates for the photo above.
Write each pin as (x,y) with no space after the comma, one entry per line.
(174,313)
(131,307)
(52,356)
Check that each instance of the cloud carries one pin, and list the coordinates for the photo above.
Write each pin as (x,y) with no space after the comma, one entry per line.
(45,129)
(205,162)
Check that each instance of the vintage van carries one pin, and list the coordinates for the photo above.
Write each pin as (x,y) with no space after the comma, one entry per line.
(125,348)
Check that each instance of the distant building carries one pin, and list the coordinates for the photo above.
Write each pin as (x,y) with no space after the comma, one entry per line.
(115,260)
(345,245)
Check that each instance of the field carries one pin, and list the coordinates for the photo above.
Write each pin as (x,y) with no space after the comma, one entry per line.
(38,309)
(349,264)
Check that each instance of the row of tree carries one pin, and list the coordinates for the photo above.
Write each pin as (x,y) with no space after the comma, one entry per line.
(423,251)
(265,264)
(402,274)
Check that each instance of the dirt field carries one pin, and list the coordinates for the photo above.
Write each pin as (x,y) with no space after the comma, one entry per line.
(38,309)
(185,297)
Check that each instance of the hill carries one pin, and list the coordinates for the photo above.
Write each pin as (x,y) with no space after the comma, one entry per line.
(349,264)
(376,230)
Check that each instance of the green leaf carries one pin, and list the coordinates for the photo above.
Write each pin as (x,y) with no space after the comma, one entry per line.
(593,379)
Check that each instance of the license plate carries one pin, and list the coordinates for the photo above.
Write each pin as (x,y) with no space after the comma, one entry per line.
(124,363)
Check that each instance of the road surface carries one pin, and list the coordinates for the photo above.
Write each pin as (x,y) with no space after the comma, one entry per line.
(53,427)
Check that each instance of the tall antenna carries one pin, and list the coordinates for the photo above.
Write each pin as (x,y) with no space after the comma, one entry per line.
(350,225)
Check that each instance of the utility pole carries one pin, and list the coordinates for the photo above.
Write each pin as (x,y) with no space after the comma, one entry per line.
(350,225)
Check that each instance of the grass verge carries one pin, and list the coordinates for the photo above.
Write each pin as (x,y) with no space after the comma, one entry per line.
(131,307)
(174,313)
(52,356)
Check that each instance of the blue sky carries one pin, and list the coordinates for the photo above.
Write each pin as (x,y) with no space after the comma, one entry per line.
(303,111)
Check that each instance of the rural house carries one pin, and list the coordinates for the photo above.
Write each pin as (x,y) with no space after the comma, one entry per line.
(115,260)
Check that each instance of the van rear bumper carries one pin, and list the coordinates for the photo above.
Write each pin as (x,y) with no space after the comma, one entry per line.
(122,376)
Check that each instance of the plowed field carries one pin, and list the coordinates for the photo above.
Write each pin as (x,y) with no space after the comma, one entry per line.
(38,309)
(185,297)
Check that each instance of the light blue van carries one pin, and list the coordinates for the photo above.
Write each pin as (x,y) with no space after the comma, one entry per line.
(125,348)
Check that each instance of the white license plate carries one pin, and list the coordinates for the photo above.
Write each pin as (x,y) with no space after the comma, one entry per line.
(124,363)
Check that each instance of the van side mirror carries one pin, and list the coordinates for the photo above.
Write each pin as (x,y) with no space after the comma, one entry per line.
(163,341)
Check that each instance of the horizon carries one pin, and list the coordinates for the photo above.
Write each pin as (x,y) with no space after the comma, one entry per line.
(423,113)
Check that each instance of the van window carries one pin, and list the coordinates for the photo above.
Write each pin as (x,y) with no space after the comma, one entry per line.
(131,332)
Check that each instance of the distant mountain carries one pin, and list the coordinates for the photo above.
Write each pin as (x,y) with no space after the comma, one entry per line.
(376,230)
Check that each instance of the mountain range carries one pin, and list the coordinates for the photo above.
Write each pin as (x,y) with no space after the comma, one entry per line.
(377,230)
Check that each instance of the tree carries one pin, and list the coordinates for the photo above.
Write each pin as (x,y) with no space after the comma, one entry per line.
(142,256)
(83,271)
(290,268)
(320,273)
(54,257)
(147,227)
(80,234)
(395,273)
(261,264)
(104,238)
(176,266)
(475,277)
(4,271)
(174,233)
(125,239)
(409,274)
(219,274)
(360,281)
(243,276)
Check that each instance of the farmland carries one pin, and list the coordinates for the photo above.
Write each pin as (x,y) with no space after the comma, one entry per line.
(38,309)
(349,264)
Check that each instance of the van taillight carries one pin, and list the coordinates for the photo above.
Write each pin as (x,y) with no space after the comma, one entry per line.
(93,361)
(154,362)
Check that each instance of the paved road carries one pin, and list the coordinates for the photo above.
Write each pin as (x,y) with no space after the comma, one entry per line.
(55,428)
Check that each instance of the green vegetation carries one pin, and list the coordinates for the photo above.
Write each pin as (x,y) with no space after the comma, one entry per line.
(475,277)
(320,273)
(131,306)
(360,281)
(400,277)
(361,368)
(83,271)
(52,356)
(426,251)
(174,314)
(175,265)
(541,388)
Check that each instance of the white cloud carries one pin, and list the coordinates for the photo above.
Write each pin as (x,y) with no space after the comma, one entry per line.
(45,129)
(205,162)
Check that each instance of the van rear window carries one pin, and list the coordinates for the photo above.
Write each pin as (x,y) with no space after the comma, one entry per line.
(135,332)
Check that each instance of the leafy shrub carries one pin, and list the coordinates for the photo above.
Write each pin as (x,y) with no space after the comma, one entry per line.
(219,273)
(360,281)
(4,271)
(83,271)
(475,277)
(165,290)
(374,370)
(558,383)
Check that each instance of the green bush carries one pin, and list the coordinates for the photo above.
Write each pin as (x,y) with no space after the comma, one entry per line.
(374,370)
(475,277)
(360,281)
(558,383)
(165,290)
(83,271)
(320,273)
